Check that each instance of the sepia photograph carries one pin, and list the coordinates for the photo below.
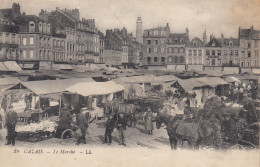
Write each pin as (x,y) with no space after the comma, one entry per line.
(129,83)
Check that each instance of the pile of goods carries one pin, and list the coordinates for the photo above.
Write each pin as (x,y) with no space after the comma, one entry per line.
(35,132)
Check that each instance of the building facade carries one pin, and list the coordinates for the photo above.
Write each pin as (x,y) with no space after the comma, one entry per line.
(249,47)
(8,42)
(34,38)
(195,52)
(113,48)
(175,49)
(154,45)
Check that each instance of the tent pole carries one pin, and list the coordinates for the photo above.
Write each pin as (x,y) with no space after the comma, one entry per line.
(60,105)
(39,107)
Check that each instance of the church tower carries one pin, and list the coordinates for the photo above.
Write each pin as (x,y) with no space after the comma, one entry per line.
(139,30)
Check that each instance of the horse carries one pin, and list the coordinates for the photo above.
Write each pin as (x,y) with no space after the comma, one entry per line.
(129,110)
(205,129)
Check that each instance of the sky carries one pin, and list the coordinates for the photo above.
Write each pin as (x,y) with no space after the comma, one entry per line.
(214,16)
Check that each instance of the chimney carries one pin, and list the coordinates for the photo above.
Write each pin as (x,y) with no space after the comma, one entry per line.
(187,33)
(205,41)
(252,28)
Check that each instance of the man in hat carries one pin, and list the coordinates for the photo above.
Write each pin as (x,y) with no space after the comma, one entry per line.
(11,120)
(83,123)
(109,129)
(229,128)
(120,123)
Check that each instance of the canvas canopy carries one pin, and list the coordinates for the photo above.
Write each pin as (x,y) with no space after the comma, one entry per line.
(192,83)
(95,88)
(52,86)
(12,66)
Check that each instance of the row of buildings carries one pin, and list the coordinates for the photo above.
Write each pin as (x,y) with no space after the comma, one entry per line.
(61,36)
(161,47)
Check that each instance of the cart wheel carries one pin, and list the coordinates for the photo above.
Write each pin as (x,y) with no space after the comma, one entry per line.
(69,132)
(66,141)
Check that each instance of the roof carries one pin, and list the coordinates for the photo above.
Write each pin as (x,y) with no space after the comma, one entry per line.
(144,79)
(192,83)
(9,66)
(178,36)
(197,41)
(25,19)
(231,79)
(95,88)
(213,43)
(249,33)
(52,86)
(62,67)
(9,81)
(12,65)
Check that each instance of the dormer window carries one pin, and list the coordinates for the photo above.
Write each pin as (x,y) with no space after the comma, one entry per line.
(176,40)
(40,27)
(182,40)
(194,44)
(49,29)
(230,43)
(44,28)
(31,26)
(213,44)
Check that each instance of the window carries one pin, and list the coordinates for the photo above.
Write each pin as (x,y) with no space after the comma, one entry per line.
(149,42)
(200,52)
(176,50)
(155,59)
(256,63)
(190,52)
(31,54)
(249,45)
(149,59)
(256,44)
(230,43)
(19,40)
(190,60)
(31,41)
(162,50)
(208,61)
(248,64)
(243,44)
(155,50)
(219,52)
(170,59)
(199,61)
(256,54)
(44,28)
(236,52)
(213,53)
(148,33)
(195,52)
(24,54)
(40,27)
(31,26)
(219,61)
(149,50)
(194,44)
(156,42)
(162,42)
(230,52)
(195,61)
(181,50)
(213,62)
(49,29)
(248,54)
(225,52)
(170,50)
(207,52)
(243,54)
(162,59)
(24,41)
